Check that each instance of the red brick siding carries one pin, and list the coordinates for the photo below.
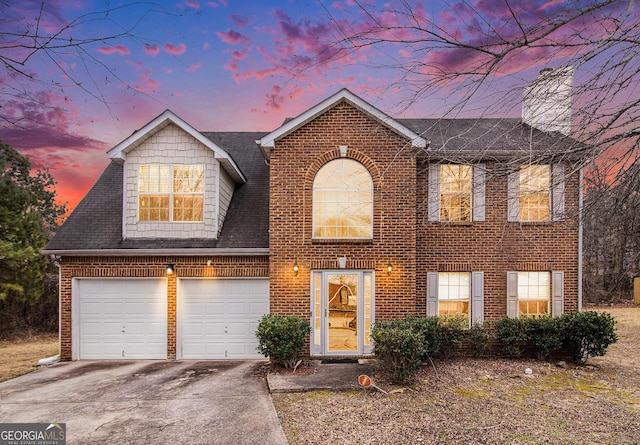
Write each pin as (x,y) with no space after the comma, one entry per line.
(496,246)
(148,267)
(294,162)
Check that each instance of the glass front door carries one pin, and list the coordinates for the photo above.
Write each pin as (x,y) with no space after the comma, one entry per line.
(341,312)
(342,306)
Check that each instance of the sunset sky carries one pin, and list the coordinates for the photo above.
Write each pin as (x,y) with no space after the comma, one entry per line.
(222,65)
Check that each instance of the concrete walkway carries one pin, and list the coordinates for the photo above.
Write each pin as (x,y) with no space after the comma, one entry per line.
(147,402)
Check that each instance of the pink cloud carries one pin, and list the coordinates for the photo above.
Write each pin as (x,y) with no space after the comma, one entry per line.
(194,67)
(206,45)
(192,4)
(152,50)
(145,84)
(118,49)
(277,96)
(240,20)
(233,37)
(175,50)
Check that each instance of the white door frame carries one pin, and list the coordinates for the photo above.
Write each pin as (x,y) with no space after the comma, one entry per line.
(322,347)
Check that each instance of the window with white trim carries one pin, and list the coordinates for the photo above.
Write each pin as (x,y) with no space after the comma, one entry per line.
(535,294)
(536,193)
(534,290)
(343,201)
(170,193)
(456,294)
(456,192)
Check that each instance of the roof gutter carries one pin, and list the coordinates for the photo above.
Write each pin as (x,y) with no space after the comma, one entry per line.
(160,252)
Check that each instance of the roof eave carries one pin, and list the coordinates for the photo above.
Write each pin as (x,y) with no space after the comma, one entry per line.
(267,143)
(249,251)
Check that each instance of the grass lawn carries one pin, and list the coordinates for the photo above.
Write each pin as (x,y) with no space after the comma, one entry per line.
(485,401)
(19,356)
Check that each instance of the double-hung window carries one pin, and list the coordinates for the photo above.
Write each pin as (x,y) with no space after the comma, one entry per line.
(456,294)
(536,193)
(170,193)
(534,294)
(456,192)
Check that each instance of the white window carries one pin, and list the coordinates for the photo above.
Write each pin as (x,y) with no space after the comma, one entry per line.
(534,294)
(170,193)
(456,192)
(536,193)
(456,294)
(343,201)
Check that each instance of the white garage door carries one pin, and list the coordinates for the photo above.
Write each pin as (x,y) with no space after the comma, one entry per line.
(218,318)
(121,318)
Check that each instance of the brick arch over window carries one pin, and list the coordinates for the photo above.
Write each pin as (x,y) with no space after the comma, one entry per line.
(322,161)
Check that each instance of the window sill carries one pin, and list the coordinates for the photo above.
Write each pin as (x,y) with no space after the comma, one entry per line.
(534,223)
(456,223)
(340,241)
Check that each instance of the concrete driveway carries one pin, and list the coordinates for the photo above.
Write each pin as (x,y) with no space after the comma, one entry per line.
(147,402)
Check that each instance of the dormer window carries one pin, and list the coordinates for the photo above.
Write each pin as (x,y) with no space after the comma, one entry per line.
(170,193)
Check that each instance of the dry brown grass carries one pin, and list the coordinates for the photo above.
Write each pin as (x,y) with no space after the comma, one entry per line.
(471,401)
(19,356)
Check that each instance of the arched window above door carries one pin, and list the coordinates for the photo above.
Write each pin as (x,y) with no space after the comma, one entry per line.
(343,201)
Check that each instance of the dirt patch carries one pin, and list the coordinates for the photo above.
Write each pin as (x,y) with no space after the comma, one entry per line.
(19,355)
(482,401)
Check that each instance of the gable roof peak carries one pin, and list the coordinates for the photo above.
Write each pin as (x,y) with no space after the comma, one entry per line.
(167,117)
(267,142)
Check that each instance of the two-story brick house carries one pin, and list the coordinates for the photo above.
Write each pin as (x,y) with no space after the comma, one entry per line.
(343,215)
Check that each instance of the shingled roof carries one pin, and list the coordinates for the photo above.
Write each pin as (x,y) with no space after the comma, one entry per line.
(492,139)
(96,223)
(95,226)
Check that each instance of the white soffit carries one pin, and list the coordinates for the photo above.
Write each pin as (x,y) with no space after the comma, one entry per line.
(268,141)
(120,151)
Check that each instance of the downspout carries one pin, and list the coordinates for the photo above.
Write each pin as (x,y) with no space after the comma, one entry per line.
(56,261)
(580,241)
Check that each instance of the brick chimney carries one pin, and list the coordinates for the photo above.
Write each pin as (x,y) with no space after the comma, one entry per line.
(548,101)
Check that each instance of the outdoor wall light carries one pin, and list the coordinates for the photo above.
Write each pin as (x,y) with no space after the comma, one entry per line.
(170,269)
(295,268)
(389,268)
(208,262)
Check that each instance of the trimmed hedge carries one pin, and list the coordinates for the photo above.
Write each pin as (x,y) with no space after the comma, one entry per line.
(402,346)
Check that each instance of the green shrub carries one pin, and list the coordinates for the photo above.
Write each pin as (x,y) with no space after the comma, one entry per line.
(449,334)
(480,338)
(588,334)
(399,347)
(512,334)
(544,334)
(282,338)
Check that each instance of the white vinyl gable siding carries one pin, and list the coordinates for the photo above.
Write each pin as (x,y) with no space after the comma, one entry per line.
(171,146)
(227,186)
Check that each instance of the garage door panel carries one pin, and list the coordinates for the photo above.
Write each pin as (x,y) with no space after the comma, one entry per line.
(225,326)
(122,318)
